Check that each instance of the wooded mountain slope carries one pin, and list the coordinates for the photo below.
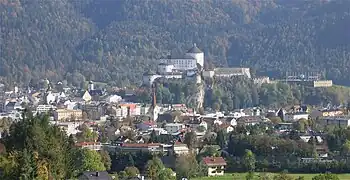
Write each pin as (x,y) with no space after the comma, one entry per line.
(116,41)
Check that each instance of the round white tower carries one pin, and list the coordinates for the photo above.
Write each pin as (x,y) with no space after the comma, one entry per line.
(197,54)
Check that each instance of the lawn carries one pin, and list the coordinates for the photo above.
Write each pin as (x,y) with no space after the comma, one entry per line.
(241,176)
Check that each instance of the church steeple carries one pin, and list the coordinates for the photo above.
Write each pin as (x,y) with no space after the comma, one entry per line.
(154,97)
(153,110)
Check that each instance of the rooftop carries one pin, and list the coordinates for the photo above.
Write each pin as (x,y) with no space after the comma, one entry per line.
(229,70)
(93,175)
(149,73)
(194,49)
(140,145)
(214,161)
(87,144)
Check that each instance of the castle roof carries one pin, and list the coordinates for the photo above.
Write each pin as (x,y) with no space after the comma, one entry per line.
(149,73)
(194,49)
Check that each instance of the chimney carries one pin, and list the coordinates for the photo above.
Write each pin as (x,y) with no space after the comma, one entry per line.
(97,174)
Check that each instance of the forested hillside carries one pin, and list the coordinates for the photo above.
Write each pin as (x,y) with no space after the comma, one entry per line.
(114,41)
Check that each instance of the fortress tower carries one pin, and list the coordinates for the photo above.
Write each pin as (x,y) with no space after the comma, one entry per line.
(197,54)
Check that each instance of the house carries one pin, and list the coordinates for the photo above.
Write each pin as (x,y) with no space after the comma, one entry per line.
(95,110)
(90,145)
(174,127)
(238,113)
(147,125)
(227,128)
(326,112)
(196,124)
(68,114)
(340,121)
(216,165)
(44,108)
(10,106)
(136,147)
(68,127)
(95,175)
(249,120)
(180,148)
(121,140)
(292,117)
(233,122)
(229,72)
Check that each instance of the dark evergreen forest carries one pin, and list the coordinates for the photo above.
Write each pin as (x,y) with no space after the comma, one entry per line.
(115,41)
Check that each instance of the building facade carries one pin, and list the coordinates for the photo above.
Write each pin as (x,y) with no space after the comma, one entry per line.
(68,114)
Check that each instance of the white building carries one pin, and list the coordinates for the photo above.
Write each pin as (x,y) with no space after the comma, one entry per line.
(171,68)
(193,57)
(238,113)
(173,127)
(229,72)
(164,68)
(292,117)
(114,99)
(50,98)
(216,165)
(96,146)
(180,148)
(44,108)
(68,127)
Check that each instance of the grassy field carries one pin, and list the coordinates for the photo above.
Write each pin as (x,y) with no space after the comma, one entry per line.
(241,176)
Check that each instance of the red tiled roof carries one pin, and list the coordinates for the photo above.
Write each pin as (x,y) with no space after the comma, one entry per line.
(140,145)
(214,161)
(177,143)
(150,123)
(87,143)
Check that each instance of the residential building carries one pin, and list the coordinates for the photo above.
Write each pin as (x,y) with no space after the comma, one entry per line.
(147,125)
(216,165)
(96,146)
(95,175)
(326,112)
(196,124)
(132,109)
(173,127)
(248,120)
(238,113)
(43,108)
(229,72)
(261,80)
(95,110)
(135,147)
(68,114)
(292,117)
(68,127)
(180,148)
(340,121)
(322,83)
(13,105)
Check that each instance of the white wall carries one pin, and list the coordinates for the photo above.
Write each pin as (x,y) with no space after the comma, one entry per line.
(198,56)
